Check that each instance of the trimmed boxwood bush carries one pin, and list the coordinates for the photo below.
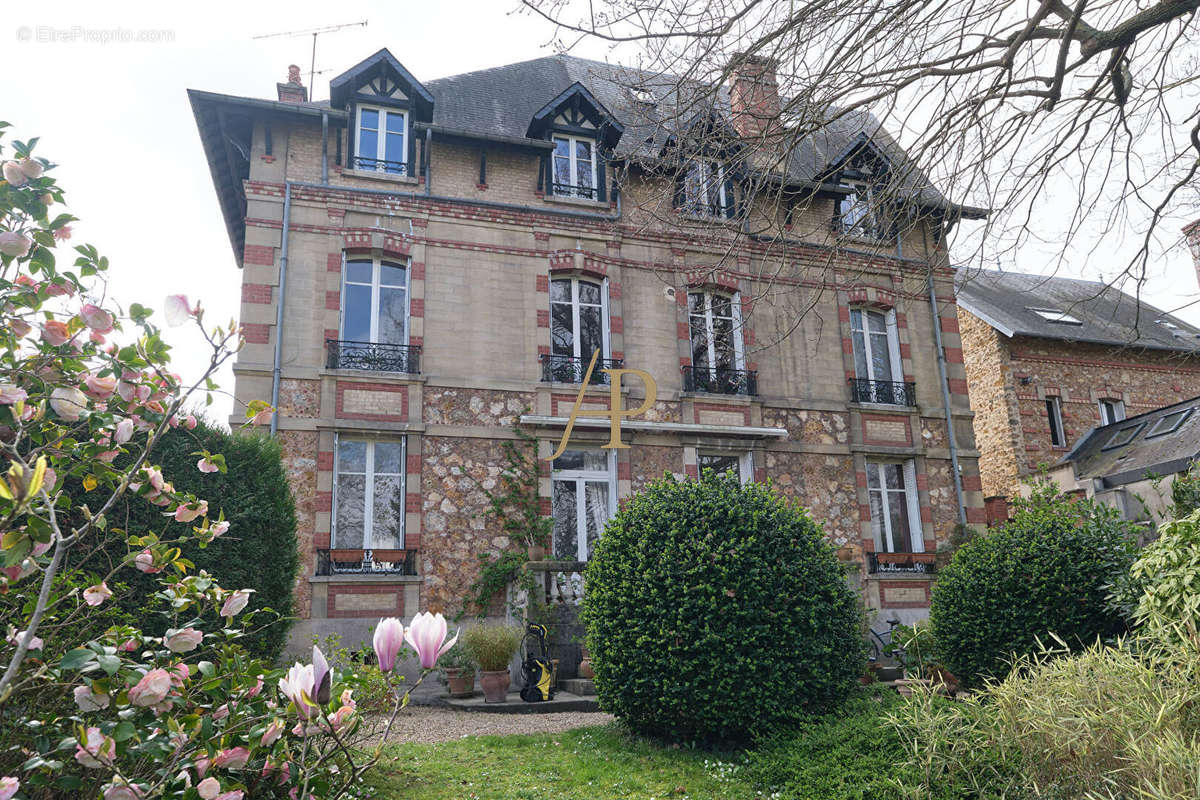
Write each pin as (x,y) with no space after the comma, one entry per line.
(1048,570)
(258,552)
(717,611)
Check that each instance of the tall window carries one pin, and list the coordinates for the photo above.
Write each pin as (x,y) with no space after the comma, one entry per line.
(583,497)
(1111,411)
(739,464)
(381,140)
(375,301)
(578,328)
(574,167)
(1058,436)
(368,484)
(895,508)
(716,340)
(704,189)
(858,212)
(876,349)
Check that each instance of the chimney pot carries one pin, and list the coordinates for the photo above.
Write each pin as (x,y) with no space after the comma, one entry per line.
(754,95)
(293,91)
(294,74)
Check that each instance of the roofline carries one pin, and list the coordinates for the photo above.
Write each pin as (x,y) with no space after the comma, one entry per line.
(259,104)
(1070,454)
(465,133)
(578,88)
(384,54)
(969,306)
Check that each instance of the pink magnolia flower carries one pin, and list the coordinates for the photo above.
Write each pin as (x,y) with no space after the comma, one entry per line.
(123,791)
(263,417)
(186,512)
(190,422)
(95,595)
(55,332)
(151,689)
(108,456)
(96,318)
(177,310)
(62,234)
(233,758)
(179,674)
(219,528)
(8,787)
(32,169)
(298,687)
(124,431)
(272,733)
(221,712)
(129,645)
(256,688)
(89,700)
(10,394)
(97,751)
(99,388)
(389,638)
(31,642)
(426,635)
(60,289)
(14,174)
(341,717)
(236,794)
(97,338)
(202,765)
(235,603)
(204,465)
(15,244)
(145,562)
(19,327)
(183,641)
(68,402)
(322,677)
(208,788)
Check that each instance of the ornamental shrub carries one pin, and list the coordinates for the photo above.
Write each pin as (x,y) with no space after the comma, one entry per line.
(1048,570)
(716,612)
(1167,576)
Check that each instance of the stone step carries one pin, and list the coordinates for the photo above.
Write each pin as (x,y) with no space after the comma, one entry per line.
(581,687)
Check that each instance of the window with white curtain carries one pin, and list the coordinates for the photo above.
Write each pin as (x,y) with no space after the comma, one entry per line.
(895,507)
(368,487)
(583,497)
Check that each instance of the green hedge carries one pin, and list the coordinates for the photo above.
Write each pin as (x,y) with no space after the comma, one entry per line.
(1048,570)
(258,552)
(716,612)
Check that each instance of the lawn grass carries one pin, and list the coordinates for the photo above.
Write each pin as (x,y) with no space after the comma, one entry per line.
(596,763)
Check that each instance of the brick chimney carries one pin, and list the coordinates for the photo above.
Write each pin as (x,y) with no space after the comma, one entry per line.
(293,91)
(754,95)
(1192,233)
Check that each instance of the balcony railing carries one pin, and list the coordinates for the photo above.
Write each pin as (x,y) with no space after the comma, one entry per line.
(900,563)
(892,393)
(381,165)
(568,369)
(720,380)
(567,190)
(366,562)
(376,356)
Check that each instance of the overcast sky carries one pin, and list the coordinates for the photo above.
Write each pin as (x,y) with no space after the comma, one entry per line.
(115,115)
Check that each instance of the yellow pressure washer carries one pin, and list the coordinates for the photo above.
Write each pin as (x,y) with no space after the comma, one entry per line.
(538,672)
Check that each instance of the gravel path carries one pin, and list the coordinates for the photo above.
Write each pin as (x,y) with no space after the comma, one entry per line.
(430,724)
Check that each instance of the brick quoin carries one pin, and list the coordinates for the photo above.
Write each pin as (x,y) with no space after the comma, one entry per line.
(418,270)
(260,255)
(333,301)
(542,283)
(333,262)
(416,307)
(325,461)
(255,333)
(259,293)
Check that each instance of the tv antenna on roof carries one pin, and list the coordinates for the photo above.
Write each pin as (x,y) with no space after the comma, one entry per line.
(314,32)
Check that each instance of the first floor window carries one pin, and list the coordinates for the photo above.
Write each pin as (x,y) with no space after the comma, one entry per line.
(1058,436)
(375,301)
(583,497)
(574,167)
(1111,411)
(368,485)
(704,192)
(876,349)
(578,328)
(737,463)
(895,508)
(380,141)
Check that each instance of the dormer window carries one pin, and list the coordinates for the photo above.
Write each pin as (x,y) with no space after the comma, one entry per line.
(704,192)
(858,212)
(574,167)
(381,138)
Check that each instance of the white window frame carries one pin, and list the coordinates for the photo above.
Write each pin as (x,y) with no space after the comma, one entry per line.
(700,188)
(1054,408)
(573,160)
(735,309)
(745,463)
(883,537)
(369,492)
(893,338)
(581,477)
(575,306)
(1117,414)
(377,263)
(380,139)
(867,224)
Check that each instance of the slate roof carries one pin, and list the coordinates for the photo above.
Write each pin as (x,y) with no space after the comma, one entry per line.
(1097,455)
(1005,300)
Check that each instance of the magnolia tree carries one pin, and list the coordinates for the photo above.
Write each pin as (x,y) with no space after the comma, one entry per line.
(85,391)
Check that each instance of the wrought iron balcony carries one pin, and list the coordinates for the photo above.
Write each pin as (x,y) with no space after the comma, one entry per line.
(377,356)
(568,369)
(381,165)
(901,563)
(892,393)
(568,190)
(366,562)
(720,380)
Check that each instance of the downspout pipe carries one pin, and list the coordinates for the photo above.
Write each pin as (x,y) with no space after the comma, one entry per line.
(325,147)
(283,264)
(428,162)
(950,437)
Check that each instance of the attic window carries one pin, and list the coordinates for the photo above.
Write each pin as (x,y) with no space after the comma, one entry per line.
(1054,315)
(1169,423)
(1166,323)
(1123,436)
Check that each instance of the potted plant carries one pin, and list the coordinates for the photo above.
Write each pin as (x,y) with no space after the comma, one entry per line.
(459,670)
(492,647)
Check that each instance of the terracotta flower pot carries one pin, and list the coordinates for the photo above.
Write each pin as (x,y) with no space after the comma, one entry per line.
(460,682)
(494,685)
(537,552)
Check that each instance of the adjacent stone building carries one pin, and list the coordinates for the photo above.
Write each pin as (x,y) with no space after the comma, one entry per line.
(1048,359)
(427,265)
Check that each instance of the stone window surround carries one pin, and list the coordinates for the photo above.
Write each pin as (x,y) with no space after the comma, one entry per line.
(924,502)
(878,298)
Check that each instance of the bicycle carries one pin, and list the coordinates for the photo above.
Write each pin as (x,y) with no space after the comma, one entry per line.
(881,647)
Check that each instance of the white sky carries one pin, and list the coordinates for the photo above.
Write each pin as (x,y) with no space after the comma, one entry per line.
(116,116)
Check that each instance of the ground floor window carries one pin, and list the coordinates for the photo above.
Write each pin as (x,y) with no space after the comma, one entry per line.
(583,497)
(1111,411)
(368,486)
(739,464)
(895,508)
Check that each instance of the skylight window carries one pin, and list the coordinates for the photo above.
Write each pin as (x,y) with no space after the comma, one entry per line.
(1169,423)
(1054,315)
(1123,437)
